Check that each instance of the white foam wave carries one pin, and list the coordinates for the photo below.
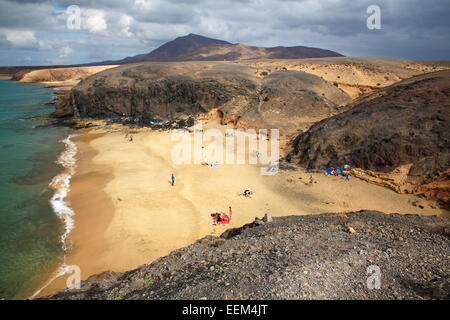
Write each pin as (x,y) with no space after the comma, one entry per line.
(61,185)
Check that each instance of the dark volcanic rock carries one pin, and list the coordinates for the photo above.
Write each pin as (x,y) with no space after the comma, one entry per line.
(178,48)
(64,105)
(298,257)
(155,90)
(406,123)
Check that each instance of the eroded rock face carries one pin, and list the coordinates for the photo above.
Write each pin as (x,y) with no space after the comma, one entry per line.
(64,106)
(406,123)
(287,100)
(154,90)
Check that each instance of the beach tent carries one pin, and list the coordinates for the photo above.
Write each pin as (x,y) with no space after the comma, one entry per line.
(329,171)
(338,171)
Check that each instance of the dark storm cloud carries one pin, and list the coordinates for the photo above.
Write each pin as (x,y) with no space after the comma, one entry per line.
(112,29)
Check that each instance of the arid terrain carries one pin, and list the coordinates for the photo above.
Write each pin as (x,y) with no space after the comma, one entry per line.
(356,76)
(59,77)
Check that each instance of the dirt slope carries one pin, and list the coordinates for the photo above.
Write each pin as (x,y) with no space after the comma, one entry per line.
(294,100)
(69,76)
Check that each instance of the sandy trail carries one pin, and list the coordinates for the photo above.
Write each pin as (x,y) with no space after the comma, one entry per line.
(128,214)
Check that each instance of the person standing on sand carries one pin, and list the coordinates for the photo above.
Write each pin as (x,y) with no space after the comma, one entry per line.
(311,179)
(230,211)
(131,138)
(173,180)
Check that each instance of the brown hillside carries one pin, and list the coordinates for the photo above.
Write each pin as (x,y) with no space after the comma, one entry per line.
(403,125)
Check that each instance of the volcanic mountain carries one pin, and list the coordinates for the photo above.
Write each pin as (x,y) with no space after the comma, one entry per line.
(198,48)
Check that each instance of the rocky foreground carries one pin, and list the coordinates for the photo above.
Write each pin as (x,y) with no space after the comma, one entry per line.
(298,257)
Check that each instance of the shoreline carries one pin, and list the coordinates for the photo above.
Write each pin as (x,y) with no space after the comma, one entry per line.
(78,198)
(127,214)
(59,204)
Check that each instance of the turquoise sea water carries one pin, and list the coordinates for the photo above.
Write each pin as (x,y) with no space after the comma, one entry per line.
(30,244)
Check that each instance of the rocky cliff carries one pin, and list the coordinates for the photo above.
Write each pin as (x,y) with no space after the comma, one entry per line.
(406,123)
(287,99)
(165,90)
(251,85)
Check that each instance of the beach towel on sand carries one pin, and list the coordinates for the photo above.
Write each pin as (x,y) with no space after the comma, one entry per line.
(225,219)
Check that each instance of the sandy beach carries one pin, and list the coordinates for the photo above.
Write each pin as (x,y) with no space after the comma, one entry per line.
(128,214)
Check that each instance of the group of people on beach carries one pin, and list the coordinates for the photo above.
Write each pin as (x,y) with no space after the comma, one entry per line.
(338,172)
(328,172)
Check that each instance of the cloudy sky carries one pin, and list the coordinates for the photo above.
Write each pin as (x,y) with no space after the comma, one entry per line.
(36,32)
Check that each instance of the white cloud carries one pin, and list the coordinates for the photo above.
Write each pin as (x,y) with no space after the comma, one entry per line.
(44,45)
(144,4)
(125,22)
(22,39)
(94,21)
(65,51)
